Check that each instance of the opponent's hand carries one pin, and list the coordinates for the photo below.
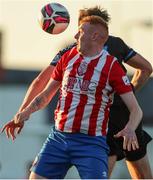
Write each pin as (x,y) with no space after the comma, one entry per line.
(11,129)
(130,141)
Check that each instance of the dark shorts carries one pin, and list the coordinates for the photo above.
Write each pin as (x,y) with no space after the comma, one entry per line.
(89,154)
(119,116)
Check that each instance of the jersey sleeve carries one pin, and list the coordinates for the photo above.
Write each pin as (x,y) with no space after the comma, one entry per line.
(126,51)
(118,79)
(60,54)
(58,70)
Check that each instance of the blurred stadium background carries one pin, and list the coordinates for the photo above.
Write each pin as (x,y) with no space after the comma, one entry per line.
(25,49)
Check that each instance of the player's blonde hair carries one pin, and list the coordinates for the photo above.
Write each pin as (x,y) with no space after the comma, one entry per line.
(95,20)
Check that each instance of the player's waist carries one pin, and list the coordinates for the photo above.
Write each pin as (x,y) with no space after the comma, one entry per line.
(100,130)
(78,137)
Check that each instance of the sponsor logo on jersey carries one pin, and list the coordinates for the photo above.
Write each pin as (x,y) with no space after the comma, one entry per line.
(126,80)
(76,84)
(82,68)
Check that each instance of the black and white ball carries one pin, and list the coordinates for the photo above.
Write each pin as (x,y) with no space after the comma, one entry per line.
(54,18)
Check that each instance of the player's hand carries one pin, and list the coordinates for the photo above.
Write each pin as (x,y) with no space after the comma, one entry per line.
(11,129)
(130,141)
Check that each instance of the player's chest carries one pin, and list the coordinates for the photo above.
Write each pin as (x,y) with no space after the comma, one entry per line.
(85,76)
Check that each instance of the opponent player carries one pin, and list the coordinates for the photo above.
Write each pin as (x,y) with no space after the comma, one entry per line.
(137,161)
(87,77)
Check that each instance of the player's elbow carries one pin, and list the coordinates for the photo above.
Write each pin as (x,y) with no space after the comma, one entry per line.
(39,83)
(36,81)
(139,112)
(35,84)
(148,69)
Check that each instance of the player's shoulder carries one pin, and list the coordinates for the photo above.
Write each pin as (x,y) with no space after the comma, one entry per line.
(67,49)
(62,52)
(71,52)
(68,55)
(115,39)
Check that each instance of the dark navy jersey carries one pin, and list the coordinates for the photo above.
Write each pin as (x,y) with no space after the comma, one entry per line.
(117,47)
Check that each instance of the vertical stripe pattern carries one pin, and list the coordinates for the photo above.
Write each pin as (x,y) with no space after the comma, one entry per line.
(85,94)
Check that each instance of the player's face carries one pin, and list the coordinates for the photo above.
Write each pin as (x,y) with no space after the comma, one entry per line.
(83,38)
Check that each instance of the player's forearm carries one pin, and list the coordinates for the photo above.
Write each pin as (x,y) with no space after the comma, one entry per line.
(143,70)
(140,78)
(134,109)
(43,99)
(134,118)
(35,88)
(38,103)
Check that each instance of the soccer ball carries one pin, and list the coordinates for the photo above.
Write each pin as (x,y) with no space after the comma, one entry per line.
(54,18)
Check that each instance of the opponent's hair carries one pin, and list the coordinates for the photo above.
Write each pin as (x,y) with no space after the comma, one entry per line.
(96,11)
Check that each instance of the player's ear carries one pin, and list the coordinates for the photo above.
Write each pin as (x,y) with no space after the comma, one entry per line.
(94,36)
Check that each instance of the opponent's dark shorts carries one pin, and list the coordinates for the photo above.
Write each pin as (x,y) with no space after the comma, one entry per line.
(119,116)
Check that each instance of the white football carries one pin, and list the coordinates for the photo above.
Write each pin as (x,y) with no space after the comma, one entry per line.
(54,18)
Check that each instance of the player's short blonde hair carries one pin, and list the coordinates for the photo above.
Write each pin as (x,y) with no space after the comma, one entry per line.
(95,20)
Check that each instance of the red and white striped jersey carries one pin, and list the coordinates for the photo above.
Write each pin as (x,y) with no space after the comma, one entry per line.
(88,85)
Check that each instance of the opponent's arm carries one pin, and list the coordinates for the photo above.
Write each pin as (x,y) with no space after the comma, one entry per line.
(128,133)
(143,70)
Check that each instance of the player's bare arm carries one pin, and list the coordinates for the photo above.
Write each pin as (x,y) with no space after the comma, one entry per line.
(37,85)
(16,124)
(143,72)
(40,101)
(128,133)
